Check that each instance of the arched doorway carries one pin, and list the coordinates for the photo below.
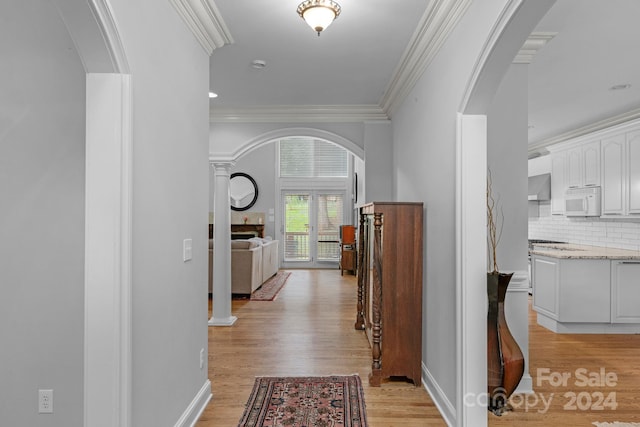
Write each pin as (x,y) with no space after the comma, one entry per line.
(107,339)
(518,19)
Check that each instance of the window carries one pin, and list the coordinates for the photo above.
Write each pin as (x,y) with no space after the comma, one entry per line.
(312,158)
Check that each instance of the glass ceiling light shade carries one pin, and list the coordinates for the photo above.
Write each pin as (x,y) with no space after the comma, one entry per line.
(319,14)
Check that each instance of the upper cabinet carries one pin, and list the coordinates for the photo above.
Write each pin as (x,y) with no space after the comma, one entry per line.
(613,172)
(558,179)
(621,175)
(609,158)
(633,171)
(591,164)
(584,165)
(573,166)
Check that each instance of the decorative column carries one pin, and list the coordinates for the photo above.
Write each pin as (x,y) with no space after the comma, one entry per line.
(221,315)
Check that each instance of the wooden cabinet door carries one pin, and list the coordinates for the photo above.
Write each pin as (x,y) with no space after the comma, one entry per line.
(613,173)
(633,168)
(625,292)
(558,169)
(591,164)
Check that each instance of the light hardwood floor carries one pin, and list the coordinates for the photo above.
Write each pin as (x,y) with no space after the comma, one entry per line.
(308,330)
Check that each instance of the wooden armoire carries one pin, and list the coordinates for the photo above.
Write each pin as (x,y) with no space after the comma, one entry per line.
(390,288)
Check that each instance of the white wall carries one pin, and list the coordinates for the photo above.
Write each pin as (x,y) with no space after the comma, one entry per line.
(170,83)
(507,161)
(261,165)
(424,135)
(41,216)
(378,160)
(507,122)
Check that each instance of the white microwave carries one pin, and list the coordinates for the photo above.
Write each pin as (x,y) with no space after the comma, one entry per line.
(584,201)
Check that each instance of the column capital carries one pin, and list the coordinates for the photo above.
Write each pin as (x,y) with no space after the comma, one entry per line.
(222,167)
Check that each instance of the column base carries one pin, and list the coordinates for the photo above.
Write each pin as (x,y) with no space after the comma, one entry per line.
(225,321)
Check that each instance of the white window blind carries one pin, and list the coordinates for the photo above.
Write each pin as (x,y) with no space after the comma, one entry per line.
(312,158)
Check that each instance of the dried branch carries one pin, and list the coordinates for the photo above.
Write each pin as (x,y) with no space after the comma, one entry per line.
(494,230)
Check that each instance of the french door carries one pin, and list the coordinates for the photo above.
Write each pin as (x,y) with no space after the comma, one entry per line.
(311,228)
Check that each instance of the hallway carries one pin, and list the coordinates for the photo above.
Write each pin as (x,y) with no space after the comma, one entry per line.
(307,330)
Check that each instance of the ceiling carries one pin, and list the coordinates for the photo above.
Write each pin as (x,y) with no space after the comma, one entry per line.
(355,61)
(351,63)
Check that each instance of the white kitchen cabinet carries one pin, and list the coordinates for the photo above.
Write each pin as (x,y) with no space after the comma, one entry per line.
(571,290)
(613,174)
(584,291)
(545,273)
(625,292)
(583,163)
(574,168)
(558,182)
(591,164)
(593,294)
(620,157)
(633,172)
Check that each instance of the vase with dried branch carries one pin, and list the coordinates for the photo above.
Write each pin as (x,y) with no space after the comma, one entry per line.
(505,361)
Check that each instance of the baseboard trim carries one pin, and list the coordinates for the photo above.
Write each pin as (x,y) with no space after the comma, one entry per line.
(439,398)
(191,415)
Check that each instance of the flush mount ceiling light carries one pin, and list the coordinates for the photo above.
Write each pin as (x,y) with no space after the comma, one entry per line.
(319,14)
(213,95)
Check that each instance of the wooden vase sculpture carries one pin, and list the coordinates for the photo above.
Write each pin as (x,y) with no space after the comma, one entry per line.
(505,361)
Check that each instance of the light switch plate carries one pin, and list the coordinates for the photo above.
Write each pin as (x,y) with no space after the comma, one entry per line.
(187,250)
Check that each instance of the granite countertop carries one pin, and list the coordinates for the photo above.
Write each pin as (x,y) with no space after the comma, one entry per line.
(573,251)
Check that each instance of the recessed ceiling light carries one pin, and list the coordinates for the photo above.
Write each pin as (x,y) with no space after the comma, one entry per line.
(213,95)
(258,64)
(620,86)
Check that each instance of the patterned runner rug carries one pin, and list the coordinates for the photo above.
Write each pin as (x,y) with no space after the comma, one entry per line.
(269,289)
(334,401)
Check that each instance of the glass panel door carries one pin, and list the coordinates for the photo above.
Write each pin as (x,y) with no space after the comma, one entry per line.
(296,227)
(312,228)
(329,218)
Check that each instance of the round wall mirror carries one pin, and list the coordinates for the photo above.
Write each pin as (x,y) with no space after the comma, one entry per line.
(243,191)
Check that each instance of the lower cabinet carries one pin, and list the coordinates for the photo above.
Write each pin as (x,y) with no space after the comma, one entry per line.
(625,291)
(572,290)
(586,295)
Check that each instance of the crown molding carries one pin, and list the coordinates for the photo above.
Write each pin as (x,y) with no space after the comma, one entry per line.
(535,42)
(433,29)
(205,22)
(585,130)
(298,114)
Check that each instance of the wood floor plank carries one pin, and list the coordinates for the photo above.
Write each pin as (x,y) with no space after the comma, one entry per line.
(553,355)
(308,330)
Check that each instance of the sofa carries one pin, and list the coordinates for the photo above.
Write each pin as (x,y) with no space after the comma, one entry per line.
(246,266)
(253,261)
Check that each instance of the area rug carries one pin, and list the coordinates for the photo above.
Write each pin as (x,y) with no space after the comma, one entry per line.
(616,424)
(269,289)
(334,401)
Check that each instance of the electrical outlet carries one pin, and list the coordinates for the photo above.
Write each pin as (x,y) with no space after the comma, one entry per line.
(201,358)
(45,401)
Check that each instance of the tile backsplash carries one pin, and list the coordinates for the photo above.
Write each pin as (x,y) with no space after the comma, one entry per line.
(623,234)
